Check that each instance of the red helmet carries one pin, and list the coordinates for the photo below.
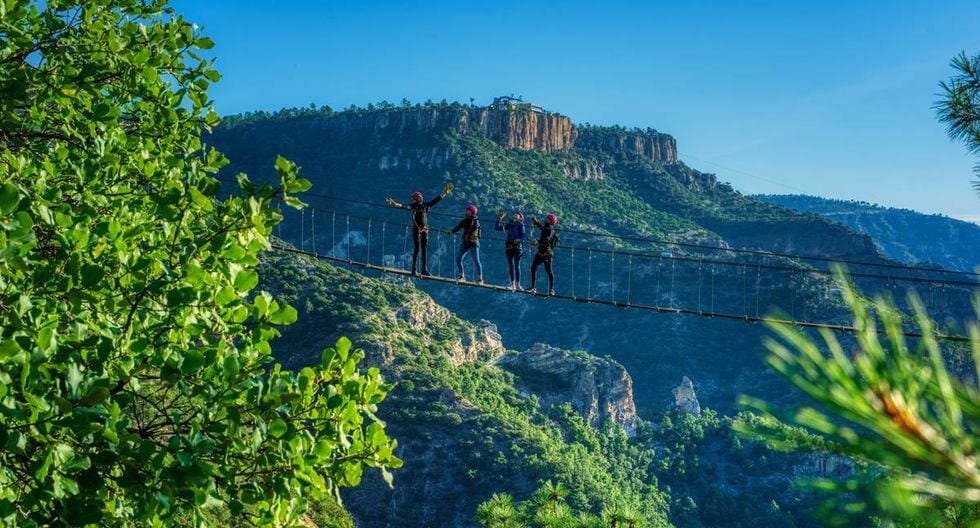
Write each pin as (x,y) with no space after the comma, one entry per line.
(551,218)
(519,217)
(416,196)
(471,210)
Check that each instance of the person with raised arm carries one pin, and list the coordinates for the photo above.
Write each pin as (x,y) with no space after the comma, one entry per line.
(516,233)
(546,250)
(420,225)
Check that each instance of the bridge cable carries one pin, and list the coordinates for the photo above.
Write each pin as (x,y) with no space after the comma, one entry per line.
(771,267)
(656,308)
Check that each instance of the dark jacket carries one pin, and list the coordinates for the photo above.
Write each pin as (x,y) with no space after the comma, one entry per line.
(420,212)
(548,239)
(471,229)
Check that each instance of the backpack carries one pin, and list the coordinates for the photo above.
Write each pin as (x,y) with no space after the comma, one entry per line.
(471,235)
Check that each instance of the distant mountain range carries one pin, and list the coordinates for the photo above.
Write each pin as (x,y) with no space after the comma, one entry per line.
(901,234)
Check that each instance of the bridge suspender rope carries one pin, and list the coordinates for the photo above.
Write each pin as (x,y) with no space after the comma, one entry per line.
(573,272)
(712,287)
(700,278)
(612,276)
(629,281)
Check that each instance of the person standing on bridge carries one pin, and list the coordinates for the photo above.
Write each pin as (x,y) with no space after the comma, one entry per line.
(514,246)
(546,249)
(420,225)
(470,225)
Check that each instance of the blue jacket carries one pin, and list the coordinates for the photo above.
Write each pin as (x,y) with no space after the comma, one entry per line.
(516,234)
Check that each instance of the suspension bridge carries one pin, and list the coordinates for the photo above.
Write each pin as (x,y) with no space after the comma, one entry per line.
(749,287)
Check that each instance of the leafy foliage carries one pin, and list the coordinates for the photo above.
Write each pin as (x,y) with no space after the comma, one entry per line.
(136,384)
(547,508)
(959,109)
(715,477)
(893,405)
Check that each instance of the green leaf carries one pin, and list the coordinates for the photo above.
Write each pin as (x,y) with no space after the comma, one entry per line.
(286,315)
(298,185)
(96,396)
(24,225)
(8,347)
(285,167)
(277,428)
(225,296)
(74,378)
(92,275)
(246,280)
(9,198)
(192,362)
(230,367)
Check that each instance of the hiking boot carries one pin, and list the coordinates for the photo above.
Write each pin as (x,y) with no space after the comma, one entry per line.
(425,273)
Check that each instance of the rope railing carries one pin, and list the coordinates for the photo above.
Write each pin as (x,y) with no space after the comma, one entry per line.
(648,307)
(677,289)
(720,262)
(664,242)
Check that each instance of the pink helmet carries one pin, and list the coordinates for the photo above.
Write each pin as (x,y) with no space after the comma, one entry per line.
(416,196)
(551,218)
(519,217)
(471,210)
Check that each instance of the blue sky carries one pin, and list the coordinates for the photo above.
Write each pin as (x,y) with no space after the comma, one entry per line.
(827,98)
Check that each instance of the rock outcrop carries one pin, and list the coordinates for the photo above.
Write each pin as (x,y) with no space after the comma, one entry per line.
(824,466)
(644,143)
(685,400)
(583,170)
(599,389)
(519,127)
(480,343)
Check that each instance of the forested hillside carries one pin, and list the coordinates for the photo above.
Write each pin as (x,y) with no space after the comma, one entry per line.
(474,417)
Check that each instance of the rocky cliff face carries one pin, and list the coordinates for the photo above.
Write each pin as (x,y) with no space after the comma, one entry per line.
(647,144)
(518,128)
(599,389)
(685,400)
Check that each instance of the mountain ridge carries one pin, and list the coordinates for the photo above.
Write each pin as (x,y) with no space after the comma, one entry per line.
(902,234)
